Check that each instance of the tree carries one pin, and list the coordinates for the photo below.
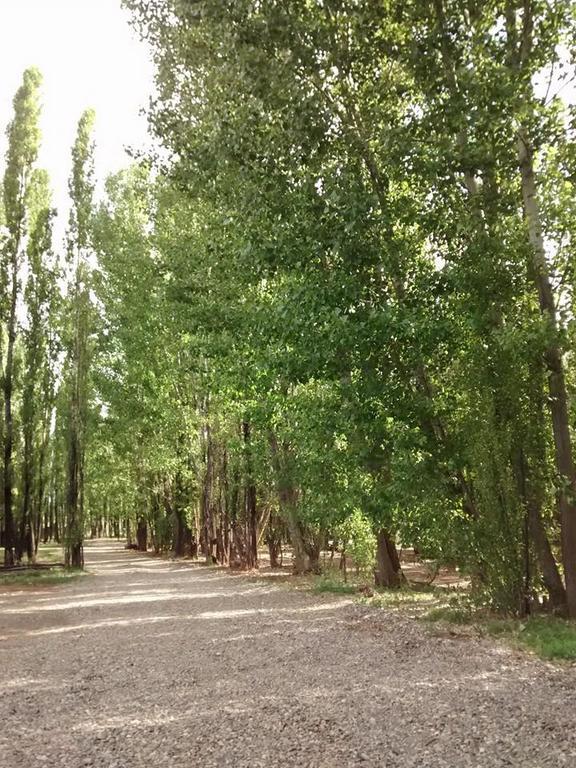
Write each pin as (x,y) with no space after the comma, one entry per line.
(353,303)
(39,359)
(78,353)
(23,143)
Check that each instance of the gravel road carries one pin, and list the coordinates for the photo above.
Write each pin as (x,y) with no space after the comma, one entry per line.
(150,663)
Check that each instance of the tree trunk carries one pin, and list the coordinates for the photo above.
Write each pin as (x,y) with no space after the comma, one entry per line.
(558,398)
(313,545)
(274,541)
(531,496)
(388,572)
(226,504)
(208,524)
(142,535)
(74,549)
(300,563)
(287,497)
(250,502)
(9,537)
(550,573)
(41,487)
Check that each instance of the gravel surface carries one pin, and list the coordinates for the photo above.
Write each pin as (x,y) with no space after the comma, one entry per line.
(153,663)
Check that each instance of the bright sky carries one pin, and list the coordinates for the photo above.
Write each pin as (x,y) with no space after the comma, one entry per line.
(89,57)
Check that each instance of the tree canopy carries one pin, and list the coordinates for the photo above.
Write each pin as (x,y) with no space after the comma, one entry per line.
(336,307)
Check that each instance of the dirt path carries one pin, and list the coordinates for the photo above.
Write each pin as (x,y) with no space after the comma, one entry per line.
(151,663)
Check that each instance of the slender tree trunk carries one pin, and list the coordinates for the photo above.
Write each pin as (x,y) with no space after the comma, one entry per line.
(40,495)
(74,549)
(558,397)
(550,573)
(226,504)
(531,496)
(250,501)
(26,536)
(9,537)
(287,497)
(208,524)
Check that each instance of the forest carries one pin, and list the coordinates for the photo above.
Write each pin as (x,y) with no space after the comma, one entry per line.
(333,308)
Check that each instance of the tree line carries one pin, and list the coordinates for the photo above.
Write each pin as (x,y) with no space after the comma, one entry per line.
(338,303)
(44,340)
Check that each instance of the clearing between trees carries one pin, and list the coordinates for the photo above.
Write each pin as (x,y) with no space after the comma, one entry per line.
(147,662)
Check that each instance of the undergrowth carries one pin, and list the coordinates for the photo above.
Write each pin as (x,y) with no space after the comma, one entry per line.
(549,637)
(327,583)
(39,577)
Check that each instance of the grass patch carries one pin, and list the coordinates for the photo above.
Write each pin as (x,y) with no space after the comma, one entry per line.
(549,637)
(50,553)
(451,615)
(380,598)
(326,583)
(398,598)
(32,577)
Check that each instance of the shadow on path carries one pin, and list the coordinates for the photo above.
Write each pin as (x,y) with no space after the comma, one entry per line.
(149,662)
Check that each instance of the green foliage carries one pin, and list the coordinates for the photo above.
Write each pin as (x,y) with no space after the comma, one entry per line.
(358,537)
(23,143)
(323,307)
(338,253)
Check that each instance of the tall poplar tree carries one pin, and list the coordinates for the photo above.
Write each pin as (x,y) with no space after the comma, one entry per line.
(81,189)
(39,297)
(23,144)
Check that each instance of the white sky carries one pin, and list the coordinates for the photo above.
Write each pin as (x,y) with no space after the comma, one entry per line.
(89,57)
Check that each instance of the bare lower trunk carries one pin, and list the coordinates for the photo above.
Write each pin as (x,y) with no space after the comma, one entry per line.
(26,535)
(251,526)
(9,537)
(550,573)
(313,545)
(388,572)
(287,497)
(250,501)
(142,535)
(531,496)
(274,541)
(301,563)
(74,549)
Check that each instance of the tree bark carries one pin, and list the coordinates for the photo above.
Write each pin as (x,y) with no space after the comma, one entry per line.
(142,534)
(388,572)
